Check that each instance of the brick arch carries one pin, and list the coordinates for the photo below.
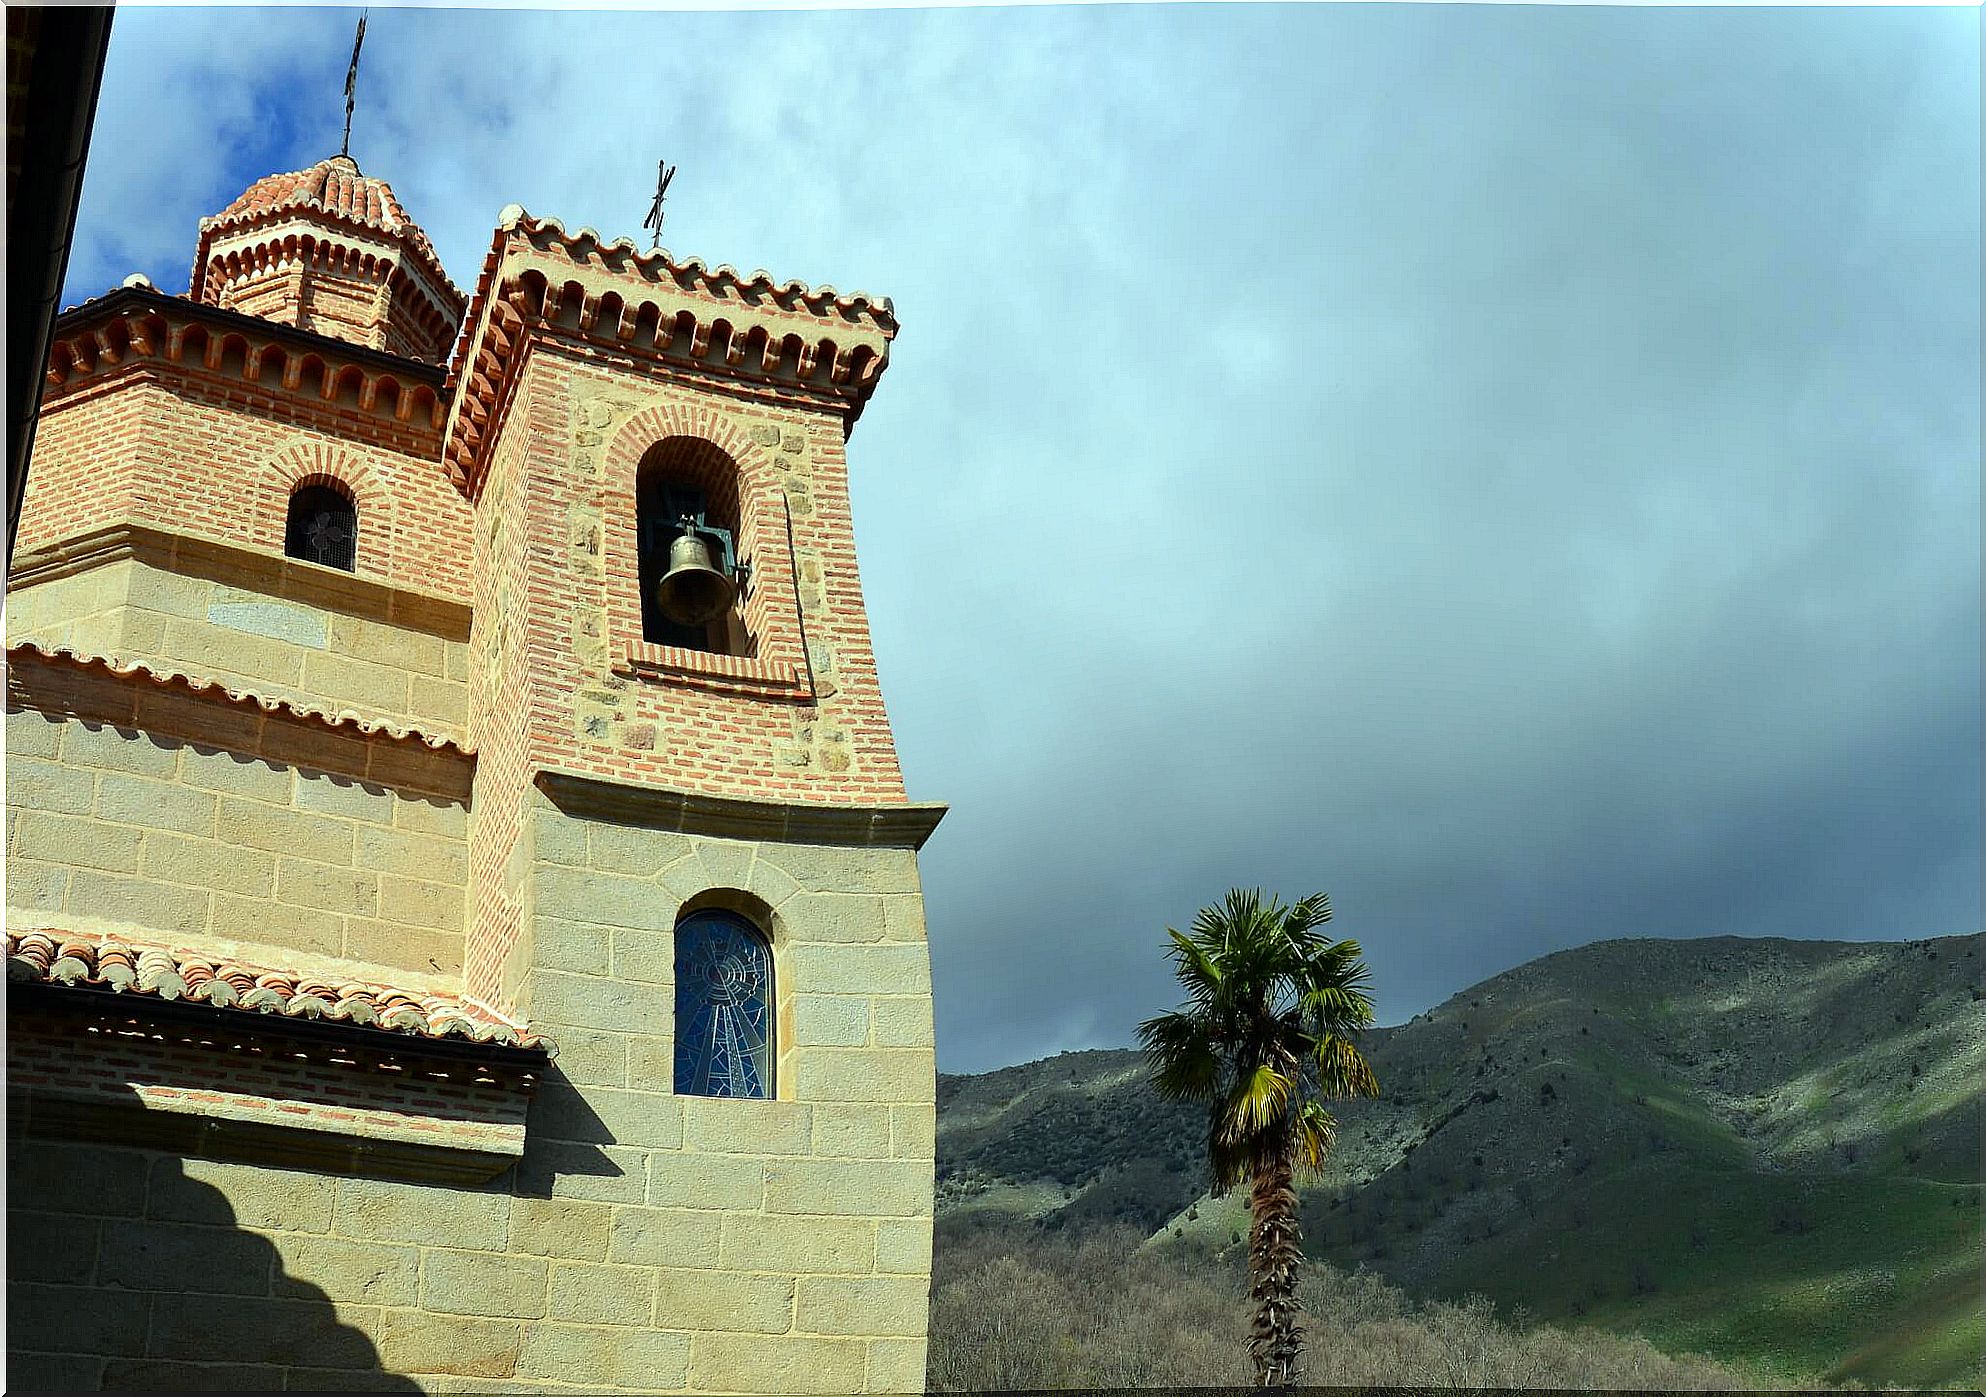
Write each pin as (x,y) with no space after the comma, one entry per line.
(324,463)
(756,520)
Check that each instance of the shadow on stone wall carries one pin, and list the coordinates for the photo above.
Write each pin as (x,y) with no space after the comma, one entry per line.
(565,1136)
(126,1273)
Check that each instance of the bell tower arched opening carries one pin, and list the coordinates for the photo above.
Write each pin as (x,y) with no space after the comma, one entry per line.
(687,532)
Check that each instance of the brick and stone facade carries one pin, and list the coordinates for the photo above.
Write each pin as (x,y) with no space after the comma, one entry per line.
(342,905)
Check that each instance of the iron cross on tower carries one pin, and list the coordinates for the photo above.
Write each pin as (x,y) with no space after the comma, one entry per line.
(352,85)
(664,172)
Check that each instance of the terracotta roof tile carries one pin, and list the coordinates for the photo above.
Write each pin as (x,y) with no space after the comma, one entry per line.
(56,957)
(335,188)
(343,720)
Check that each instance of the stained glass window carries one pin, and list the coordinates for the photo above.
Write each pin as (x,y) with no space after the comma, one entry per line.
(323,528)
(723,1007)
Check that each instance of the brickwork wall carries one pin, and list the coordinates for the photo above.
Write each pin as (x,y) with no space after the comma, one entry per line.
(211,453)
(186,840)
(696,724)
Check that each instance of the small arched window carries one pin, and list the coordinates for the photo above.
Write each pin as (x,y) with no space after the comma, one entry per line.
(323,527)
(723,1007)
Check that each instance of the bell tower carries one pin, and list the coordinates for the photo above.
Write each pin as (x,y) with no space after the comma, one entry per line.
(689,830)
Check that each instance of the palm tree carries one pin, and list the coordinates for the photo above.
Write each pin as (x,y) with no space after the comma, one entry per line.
(1265,1038)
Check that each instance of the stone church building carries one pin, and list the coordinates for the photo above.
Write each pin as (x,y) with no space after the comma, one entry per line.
(463,920)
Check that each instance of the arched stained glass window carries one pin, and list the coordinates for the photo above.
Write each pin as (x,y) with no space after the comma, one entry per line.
(323,528)
(723,1007)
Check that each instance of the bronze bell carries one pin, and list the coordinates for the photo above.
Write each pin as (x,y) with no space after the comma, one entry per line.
(693,592)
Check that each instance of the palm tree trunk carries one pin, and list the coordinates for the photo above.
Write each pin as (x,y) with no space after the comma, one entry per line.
(1275,1254)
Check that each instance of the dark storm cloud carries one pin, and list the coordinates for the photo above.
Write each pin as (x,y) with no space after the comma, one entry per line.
(1514,468)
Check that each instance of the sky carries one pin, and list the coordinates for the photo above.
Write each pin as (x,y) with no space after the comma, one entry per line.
(1515,469)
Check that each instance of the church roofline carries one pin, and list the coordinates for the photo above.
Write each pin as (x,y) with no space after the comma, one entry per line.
(125,300)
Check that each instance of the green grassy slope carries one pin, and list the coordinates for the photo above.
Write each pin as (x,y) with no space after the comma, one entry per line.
(1763,1150)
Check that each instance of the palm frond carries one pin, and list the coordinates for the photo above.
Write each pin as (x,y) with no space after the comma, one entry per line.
(1184,1060)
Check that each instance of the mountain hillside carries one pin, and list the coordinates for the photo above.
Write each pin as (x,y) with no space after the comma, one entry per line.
(1764,1150)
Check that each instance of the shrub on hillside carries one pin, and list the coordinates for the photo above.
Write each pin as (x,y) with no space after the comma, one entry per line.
(1011,1311)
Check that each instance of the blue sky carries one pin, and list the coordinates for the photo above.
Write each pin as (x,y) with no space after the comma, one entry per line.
(1513,468)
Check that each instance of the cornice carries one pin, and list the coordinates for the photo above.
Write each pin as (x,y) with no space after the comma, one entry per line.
(900,826)
(744,333)
(137,325)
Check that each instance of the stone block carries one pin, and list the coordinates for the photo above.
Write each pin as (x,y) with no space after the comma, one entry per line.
(607,899)
(434,858)
(77,1319)
(409,948)
(647,956)
(664,1237)
(220,1194)
(651,1062)
(202,863)
(42,785)
(903,1246)
(388,1211)
(631,850)
(167,805)
(88,1179)
(342,680)
(436,906)
(727,863)
(108,748)
(865,1074)
(283,831)
(595,1173)
(883,969)
(414,1341)
(722,1301)
(830,1020)
(273,1331)
(585,1294)
(903,918)
(78,841)
(896,1365)
(478,1283)
(720,1125)
(40,887)
(578,948)
(345,891)
(851,1188)
(827,868)
(904,1023)
(345,797)
(879,1306)
(647,1360)
(914,1131)
(558,839)
(171,1256)
(591,1058)
(592,1001)
(207,649)
(431,815)
(139,901)
(560,1227)
(799,1245)
(278,924)
(351,1272)
(776,1363)
(32,734)
(678,1180)
(55,1248)
(229,773)
(835,918)
(852,1130)
(53,1372)
(443,702)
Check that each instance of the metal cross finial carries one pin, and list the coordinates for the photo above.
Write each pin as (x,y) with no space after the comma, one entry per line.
(664,172)
(352,85)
